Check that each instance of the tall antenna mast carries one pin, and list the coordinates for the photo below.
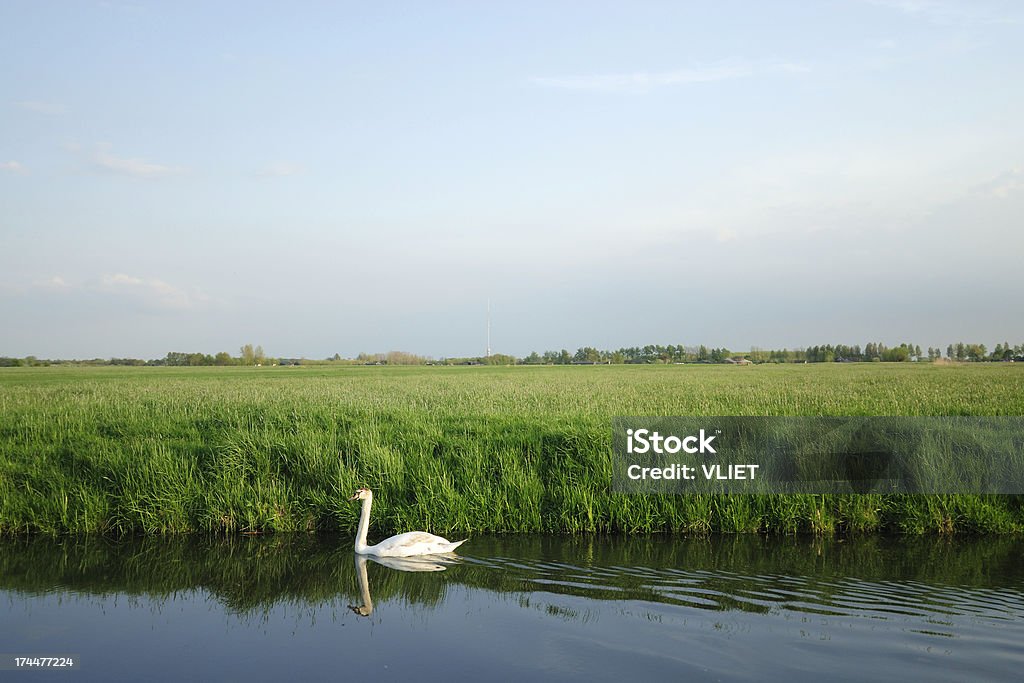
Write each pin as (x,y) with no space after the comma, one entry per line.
(488,328)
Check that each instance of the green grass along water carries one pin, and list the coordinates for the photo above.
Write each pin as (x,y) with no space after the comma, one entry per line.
(455,451)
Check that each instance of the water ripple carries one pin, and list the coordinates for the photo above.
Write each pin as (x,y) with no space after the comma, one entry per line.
(725,590)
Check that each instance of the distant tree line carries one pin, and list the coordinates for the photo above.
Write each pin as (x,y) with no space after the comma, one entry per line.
(652,353)
(586,355)
(827,353)
(657,353)
(248,355)
(389,358)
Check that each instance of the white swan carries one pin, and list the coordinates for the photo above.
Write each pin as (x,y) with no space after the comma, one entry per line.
(402,545)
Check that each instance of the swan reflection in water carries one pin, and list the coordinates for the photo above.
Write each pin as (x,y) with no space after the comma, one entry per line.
(422,563)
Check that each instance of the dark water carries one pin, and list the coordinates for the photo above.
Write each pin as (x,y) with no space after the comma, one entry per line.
(729,609)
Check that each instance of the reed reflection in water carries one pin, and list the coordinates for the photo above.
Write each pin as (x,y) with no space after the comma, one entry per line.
(730,608)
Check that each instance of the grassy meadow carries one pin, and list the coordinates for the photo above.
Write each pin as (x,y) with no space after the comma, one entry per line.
(452,450)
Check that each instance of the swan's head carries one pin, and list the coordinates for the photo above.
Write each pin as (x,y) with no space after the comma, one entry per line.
(362,610)
(361,494)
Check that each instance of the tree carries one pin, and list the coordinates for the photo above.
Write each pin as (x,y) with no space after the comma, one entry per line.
(248,355)
(975,352)
(587,354)
(898,354)
(403,358)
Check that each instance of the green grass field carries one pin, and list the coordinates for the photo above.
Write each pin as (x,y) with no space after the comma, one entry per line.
(455,451)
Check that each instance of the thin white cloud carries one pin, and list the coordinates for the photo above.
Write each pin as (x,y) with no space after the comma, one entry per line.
(951,12)
(55,284)
(152,292)
(726,235)
(1003,184)
(12,167)
(50,108)
(644,81)
(103,160)
(280,169)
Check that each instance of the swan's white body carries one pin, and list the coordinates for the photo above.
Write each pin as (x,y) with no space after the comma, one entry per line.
(403,545)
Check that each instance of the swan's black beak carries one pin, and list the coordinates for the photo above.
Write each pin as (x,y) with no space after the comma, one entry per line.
(355,496)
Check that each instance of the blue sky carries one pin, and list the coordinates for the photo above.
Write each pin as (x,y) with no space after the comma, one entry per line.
(322,178)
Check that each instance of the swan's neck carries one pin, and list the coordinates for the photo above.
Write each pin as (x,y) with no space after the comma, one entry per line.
(366,609)
(364,524)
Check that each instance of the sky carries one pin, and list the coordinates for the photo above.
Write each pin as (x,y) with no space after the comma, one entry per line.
(324,178)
